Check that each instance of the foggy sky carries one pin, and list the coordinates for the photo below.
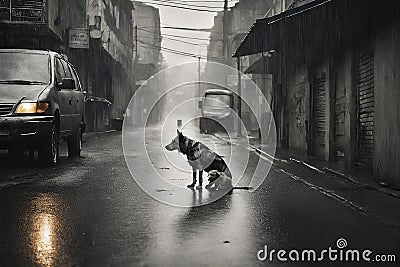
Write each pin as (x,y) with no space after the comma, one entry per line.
(186,18)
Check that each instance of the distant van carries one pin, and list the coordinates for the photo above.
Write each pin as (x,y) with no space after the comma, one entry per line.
(217,111)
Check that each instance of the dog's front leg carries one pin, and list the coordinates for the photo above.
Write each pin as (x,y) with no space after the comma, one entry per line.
(201,178)
(194,179)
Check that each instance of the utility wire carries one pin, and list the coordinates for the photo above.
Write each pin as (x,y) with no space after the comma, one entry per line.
(188,29)
(183,53)
(177,36)
(185,42)
(184,4)
(186,37)
(204,1)
(181,7)
(175,40)
(176,52)
(172,52)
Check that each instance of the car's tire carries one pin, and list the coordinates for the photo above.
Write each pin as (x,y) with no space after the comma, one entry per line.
(48,151)
(75,144)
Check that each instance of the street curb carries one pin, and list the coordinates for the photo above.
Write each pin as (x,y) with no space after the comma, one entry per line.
(328,193)
(351,180)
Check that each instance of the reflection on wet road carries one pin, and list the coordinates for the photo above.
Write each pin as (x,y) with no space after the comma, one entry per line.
(90,212)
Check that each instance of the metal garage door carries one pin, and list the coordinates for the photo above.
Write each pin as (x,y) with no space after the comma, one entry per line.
(319,116)
(365,110)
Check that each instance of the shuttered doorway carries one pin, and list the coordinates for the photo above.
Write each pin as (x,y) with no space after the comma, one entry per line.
(319,116)
(365,109)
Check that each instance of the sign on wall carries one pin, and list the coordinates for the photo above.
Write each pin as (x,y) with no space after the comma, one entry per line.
(79,38)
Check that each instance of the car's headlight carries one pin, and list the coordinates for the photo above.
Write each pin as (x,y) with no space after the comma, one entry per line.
(32,107)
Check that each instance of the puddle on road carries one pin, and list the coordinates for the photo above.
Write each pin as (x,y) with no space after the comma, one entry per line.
(42,231)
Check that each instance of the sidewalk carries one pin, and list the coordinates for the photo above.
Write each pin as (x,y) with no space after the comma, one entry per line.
(357,190)
(350,175)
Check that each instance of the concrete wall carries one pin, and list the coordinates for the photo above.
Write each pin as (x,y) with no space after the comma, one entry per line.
(344,112)
(52,14)
(324,67)
(297,106)
(387,109)
(341,104)
(111,56)
(148,34)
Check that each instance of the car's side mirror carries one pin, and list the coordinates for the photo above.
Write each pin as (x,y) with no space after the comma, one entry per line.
(200,104)
(68,83)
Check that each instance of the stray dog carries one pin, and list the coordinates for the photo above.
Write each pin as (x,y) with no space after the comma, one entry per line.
(200,157)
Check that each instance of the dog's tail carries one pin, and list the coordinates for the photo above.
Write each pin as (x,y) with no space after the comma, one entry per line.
(242,188)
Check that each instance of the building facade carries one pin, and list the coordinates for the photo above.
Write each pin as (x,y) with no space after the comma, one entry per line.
(336,91)
(238,20)
(111,80)
(97,37)
(149,61)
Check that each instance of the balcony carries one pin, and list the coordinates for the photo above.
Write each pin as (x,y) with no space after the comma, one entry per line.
(21,11)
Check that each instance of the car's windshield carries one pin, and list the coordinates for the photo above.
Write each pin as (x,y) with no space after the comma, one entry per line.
(24,68)
(217,100)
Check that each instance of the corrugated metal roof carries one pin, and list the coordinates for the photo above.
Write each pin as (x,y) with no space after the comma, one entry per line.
(319,23)
(254,42)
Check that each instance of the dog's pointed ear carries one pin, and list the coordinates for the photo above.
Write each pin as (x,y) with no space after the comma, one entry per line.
(178,132)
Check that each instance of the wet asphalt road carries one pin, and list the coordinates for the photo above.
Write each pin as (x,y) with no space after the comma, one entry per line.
(90,212)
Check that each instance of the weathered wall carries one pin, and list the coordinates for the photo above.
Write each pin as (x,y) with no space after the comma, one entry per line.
(321,142)
(345,109)
(340,73)
(52,14)
(297,106)
(387,109)
(148,33)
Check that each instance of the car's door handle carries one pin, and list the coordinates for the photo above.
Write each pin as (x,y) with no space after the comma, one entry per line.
(70,101)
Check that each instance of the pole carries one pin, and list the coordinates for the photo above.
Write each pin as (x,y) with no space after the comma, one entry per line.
(225,32)
(199,74)
(239,103)
(10,10)
(199,85)
(136,41)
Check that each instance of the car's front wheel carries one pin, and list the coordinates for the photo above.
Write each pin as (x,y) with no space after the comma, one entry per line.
(48,151)
(75,144)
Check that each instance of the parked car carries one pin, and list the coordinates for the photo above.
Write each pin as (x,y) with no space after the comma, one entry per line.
(41,103)
(216,111)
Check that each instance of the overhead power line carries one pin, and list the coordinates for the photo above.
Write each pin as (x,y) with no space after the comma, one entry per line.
(188,29)
(204,1)
(183,53)
(177,36)
(184,4)
(186,37)
(185,42)
(181,7)
(175,40)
